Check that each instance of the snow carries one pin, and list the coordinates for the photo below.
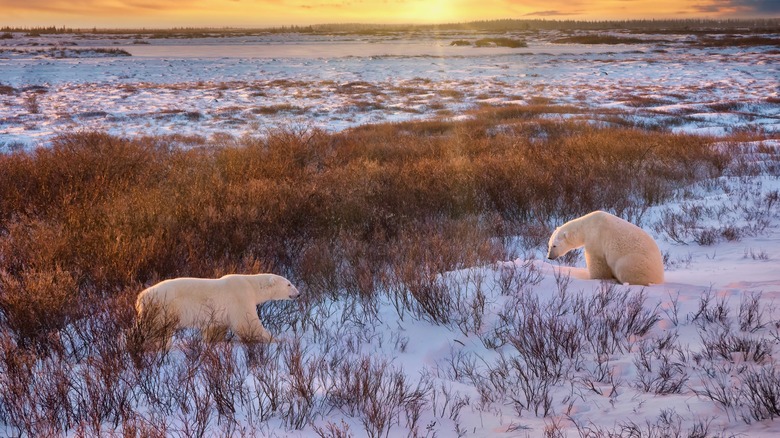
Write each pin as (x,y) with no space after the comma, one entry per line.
(238,86)
(226,85)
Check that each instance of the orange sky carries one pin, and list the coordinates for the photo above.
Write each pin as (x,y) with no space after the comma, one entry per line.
(261,13)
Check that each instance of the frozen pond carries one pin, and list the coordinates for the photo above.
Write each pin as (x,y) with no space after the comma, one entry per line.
(238,86)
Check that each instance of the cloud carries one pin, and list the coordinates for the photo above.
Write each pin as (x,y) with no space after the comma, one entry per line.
(742,7)
(326,5)
(549,14)
(771,6)
(81,7)
(147,6)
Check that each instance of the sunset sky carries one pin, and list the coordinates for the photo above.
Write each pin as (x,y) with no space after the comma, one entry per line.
(262,13)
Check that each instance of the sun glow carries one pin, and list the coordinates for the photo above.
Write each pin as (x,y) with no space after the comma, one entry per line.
(258,13)
(435,11)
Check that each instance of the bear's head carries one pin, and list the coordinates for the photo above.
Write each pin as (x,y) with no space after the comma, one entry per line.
(276,287)
(559,244)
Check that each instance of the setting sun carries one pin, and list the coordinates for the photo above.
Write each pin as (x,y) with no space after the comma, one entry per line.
(237,13)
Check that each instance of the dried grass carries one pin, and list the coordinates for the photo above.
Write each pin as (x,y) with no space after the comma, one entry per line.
(377,211)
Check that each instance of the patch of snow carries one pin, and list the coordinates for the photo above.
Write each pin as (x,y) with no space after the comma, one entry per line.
(403,78)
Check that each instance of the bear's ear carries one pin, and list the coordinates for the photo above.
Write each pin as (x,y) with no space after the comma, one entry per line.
(267,281)
(564,234)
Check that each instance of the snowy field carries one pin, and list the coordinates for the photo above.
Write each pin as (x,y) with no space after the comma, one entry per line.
(239,86)
(685,358)
(674,360)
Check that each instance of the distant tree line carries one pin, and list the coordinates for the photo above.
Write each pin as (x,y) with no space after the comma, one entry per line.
(768,25)
(684,24)
(507,25)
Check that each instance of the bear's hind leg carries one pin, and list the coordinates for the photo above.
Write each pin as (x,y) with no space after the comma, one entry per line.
(155,327)
(251,330)
(633,269)
(598,269)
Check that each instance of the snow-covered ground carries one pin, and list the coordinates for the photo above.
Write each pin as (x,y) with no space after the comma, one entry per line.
(714,326)
(534,348)
(240,85)
(704,343)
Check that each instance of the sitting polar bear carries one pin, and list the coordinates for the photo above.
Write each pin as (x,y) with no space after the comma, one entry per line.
(211,305)
(614,248)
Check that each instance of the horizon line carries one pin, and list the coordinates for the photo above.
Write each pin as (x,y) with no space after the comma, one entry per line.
(408,25)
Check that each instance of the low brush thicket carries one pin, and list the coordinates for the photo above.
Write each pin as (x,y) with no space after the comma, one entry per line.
(352,218)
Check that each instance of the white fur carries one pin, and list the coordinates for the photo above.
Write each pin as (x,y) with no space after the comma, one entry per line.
(215,305)
(614,248)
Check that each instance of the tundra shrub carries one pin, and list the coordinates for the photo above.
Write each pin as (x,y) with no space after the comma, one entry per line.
(89,220)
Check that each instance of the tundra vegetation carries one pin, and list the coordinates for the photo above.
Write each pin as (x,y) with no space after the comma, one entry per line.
(388,216)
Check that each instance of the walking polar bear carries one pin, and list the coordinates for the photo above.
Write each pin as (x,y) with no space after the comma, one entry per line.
(614,248)
(211,305)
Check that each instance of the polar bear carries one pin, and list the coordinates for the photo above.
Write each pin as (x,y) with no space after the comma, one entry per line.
(614,248)
(211,305)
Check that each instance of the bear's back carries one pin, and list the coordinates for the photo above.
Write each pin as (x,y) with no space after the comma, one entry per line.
(621,236)
(197,299)
(186,291)
(621,226)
